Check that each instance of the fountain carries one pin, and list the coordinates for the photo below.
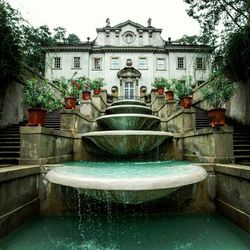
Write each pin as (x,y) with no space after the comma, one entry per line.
(127,182)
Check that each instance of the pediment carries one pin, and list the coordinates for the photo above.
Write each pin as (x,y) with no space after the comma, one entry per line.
(129,72)
(129,22)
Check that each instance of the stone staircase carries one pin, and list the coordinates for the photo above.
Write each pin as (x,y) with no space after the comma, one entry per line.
(10,139)
(53,120)
(241,141)
(9,145)
(201,119)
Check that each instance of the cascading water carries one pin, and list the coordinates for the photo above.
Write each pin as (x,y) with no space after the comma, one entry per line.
(126,181)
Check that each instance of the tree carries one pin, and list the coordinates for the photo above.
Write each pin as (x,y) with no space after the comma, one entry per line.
(72,38)
(226,25)
(34,39)
(237,55)
(21,43)
(191,40)
(60,35)
(10,49)
(219,18)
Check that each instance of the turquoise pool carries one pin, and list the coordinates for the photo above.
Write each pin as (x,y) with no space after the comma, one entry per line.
(128,231)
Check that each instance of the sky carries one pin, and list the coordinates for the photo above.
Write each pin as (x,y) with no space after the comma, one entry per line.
(82,17)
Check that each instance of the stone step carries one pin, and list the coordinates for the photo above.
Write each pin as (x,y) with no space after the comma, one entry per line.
(9,160)
(241,151)
(240,141)
(242,146)
(241,137)
(242,157)
(9,154)
(244,163)
(3,135)
(10,148)
(9,143)
(10,129)
(2,165)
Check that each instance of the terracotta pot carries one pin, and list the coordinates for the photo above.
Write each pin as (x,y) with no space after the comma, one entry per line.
(86,95)
(160,91)
(70,103)
(36,116)
(216,117)
(97,91)
(186,102)
(169,95)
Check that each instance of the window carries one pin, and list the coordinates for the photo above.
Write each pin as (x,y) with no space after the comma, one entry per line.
(199,63)
(97,64)
(57,62)
(129,37)
(160,64)
(76,63)
(129,90)
(180,63)
(143,63)
(115,63)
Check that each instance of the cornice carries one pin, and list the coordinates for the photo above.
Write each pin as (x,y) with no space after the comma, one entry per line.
(129,49)
(149,49)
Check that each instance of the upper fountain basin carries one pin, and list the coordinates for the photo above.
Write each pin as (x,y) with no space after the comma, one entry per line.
(129,108)
(127,142)
(128,102)
(128,121)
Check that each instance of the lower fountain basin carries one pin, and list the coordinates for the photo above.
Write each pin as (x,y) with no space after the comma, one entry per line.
(127,142)
(128,121)
(127,182)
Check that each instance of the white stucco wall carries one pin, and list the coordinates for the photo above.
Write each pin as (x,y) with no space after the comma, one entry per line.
(106,46)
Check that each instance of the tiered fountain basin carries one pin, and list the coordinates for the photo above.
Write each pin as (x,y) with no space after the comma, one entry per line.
(128,108)
(127,142)
(127,182)
(129,102)
(128,121)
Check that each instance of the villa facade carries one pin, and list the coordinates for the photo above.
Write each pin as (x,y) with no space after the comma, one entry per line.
(129,56)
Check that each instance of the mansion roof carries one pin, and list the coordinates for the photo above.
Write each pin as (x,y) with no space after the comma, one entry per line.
(129,37)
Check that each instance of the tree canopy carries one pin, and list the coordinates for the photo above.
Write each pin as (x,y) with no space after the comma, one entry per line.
(219,18)
(225,25)
(10,44)
(21,43)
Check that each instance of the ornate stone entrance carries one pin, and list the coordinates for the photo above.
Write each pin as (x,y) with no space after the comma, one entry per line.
(129,78)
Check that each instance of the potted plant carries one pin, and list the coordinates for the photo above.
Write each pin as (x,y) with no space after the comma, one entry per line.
(96,85)
(39,97)
(160,83)
(84,84)
(69,91)
(183,91)
(169,93)
(216,93)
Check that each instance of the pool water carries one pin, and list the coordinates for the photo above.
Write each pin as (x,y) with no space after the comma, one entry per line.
(128,231)
(126,169)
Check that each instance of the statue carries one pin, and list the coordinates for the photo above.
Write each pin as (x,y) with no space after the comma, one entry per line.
(107,22)
(149,22)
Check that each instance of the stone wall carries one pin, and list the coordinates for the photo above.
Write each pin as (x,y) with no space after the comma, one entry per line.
(209,145)
(180,121)
(19,192)
(12,110)
(41,145)
(232,193)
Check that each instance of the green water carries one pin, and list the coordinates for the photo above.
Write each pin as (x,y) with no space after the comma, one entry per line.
(145,232)
(126,169)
